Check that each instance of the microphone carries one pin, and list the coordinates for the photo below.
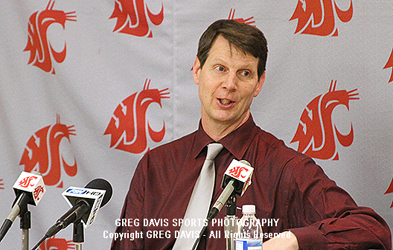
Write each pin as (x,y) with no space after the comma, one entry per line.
(96,193)
(85,203)
(236,180)
(29,189)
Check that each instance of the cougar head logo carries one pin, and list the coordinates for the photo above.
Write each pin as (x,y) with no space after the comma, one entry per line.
(56,243)
(43,153)
(316,132)
(128,124)
(248,21)
(319,17)
(41,51)
(26,182)
(389,64)
(132,17)
(237,171)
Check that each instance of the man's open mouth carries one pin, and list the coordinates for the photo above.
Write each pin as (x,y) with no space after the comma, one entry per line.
(225,101)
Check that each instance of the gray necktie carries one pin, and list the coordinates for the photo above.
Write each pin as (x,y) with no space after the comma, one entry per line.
(200,200)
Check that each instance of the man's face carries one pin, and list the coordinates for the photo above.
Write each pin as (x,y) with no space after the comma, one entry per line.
(227,83)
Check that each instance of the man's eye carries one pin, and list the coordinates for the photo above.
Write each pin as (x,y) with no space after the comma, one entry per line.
(220,68)
(245,73)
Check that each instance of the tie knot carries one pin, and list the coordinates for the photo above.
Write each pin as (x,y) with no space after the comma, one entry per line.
(212,150)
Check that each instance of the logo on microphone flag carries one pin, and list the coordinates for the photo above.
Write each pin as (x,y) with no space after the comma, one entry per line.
(316,133)
(28,181)
(72,194)
(240,171)
(32,183)
(319,17)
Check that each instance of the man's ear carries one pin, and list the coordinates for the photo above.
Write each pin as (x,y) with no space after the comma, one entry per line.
(260,84)
(195,70)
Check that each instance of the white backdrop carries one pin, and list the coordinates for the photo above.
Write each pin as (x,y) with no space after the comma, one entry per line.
(56,107)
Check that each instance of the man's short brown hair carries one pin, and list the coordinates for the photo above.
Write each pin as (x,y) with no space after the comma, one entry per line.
(247,38)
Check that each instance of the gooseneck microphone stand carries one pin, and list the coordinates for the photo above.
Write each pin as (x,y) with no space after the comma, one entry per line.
(25,225)
(78,234)
(230,222)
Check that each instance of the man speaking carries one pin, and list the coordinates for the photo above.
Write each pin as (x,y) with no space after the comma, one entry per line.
(175,184)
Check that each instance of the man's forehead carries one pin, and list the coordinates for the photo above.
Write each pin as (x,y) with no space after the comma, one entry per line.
(221,47)
(222,42)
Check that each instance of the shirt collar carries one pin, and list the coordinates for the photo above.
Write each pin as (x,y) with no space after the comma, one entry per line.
(235,142)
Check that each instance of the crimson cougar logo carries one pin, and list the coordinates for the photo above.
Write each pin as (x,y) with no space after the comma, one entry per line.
(43,153)
(318,17)
(37,192)
(316,132)
(390,190)
(237,171)
(240,20)
(56,243)
(132,17)
(41,51)
(128,124)
(389,64)
(26,182)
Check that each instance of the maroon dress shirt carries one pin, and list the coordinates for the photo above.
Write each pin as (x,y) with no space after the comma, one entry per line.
(290,192)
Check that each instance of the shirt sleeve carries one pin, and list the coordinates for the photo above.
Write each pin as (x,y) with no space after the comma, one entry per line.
(129,233)
(324,216)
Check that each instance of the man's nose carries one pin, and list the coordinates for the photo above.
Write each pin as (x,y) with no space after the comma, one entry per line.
(230,82)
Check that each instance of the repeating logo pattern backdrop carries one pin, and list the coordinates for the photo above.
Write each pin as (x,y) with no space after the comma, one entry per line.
(88,87)
(42,53)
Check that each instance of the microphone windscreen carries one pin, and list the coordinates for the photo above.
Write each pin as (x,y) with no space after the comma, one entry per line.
(245,162)
(102,185)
